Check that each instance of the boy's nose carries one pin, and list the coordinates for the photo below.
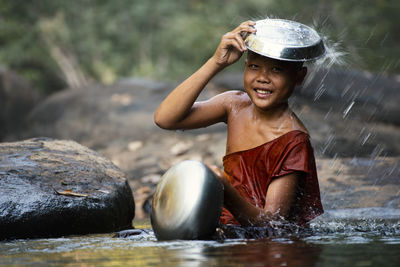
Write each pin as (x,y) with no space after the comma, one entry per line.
(263,77)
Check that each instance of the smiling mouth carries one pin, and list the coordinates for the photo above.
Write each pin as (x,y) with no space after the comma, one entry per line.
(263,92)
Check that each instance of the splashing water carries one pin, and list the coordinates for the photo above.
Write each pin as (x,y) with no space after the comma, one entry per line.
(347,110)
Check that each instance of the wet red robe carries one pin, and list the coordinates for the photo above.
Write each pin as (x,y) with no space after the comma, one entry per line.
(251,171)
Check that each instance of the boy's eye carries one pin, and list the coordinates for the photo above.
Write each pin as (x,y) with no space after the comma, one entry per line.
(253,66)
(277,69)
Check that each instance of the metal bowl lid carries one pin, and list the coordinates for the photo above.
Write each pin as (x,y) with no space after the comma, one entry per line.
(285,40)
(187,202)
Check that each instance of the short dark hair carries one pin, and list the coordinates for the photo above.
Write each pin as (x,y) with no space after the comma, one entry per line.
(298,65)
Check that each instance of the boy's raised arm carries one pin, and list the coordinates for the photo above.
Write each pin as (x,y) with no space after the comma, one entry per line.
(179,110)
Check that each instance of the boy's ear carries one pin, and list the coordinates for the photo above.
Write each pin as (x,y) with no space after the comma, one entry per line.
(300,75)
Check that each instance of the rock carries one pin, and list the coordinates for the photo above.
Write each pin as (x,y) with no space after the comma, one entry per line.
(133,146)
(181,148)
(51,188)
(97,116)
(100,116)
(151,178)
(17,98)
(135,234)
(359,182)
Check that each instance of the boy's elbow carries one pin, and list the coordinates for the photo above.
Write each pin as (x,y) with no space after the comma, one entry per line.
(158,121)
(162,123)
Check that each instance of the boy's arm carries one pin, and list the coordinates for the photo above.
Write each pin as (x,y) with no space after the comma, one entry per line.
(179,110)
(279,200)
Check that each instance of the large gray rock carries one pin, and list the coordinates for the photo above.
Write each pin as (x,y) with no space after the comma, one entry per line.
(97,115)
(54,188)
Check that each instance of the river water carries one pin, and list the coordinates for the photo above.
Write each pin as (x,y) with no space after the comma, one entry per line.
(353,237)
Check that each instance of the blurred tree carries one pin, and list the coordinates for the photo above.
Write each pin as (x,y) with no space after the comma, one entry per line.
(21,48)
(56,43)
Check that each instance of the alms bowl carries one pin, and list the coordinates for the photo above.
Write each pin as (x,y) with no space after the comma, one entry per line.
(187,202)
(285,40)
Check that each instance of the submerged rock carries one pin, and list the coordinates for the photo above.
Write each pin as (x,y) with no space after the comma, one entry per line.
(52,188)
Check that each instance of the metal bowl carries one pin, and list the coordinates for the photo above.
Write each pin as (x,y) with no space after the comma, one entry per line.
(187,202)
(285,40)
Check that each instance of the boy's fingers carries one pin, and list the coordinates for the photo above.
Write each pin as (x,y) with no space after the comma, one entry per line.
(237,43)
(244,32)
(239,40)
(247,23)
(244,29)
(247,26)
(235,40)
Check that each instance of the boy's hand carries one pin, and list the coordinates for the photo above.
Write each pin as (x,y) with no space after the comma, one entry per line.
(232,45)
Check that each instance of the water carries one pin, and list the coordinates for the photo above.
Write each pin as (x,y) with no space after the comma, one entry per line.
(347,237)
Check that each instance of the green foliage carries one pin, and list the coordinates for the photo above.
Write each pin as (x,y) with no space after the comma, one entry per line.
(165,39)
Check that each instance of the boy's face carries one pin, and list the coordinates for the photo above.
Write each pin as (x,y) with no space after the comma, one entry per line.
(270,82)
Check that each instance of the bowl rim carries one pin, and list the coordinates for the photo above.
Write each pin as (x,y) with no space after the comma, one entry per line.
(292,53)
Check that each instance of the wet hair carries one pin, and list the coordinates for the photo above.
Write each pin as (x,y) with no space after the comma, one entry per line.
(298,65)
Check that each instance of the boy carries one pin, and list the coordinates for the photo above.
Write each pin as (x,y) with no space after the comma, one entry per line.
(269,168)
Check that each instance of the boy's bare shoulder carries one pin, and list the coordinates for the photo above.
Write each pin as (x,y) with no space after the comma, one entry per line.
(236,98)
(233,93)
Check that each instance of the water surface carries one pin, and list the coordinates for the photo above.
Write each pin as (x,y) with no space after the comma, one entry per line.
(361,237)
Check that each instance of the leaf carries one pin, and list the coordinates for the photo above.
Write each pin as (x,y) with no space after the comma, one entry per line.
(69,193)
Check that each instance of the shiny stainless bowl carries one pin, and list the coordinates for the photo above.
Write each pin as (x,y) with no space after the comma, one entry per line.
(285,40)
(187,202)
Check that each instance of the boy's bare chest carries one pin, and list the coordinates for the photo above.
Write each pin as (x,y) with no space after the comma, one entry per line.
(244,134)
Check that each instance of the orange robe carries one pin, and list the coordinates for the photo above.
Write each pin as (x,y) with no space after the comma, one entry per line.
(251,171)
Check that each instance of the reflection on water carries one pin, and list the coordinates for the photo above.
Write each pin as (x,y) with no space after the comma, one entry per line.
(271,252)
(345,241)
(96,250)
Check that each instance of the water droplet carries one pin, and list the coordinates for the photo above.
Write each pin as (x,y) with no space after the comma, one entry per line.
(346,89)
(319,92)
(328,113)
(365,139)
(347,110)
(327,143)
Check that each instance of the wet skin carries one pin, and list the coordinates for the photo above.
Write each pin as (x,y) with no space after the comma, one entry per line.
(270,82)
(253,118)
(262,113)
